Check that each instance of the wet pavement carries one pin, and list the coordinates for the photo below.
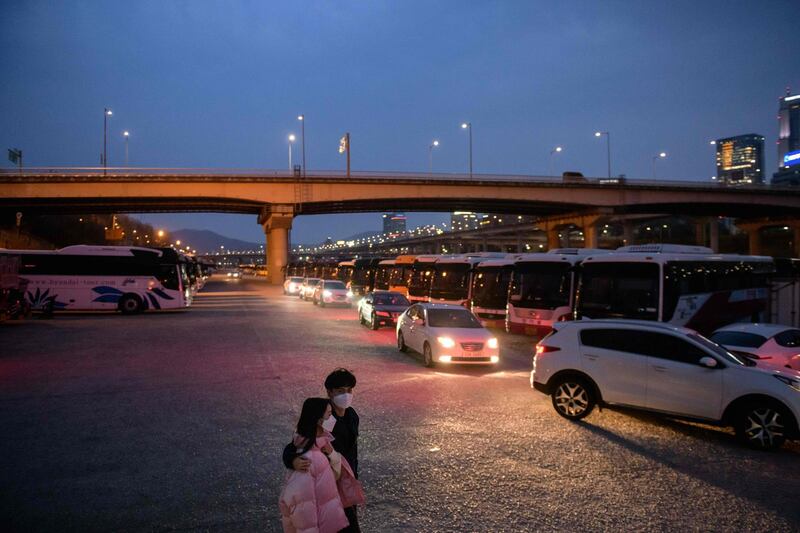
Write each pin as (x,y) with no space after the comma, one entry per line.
(176,421)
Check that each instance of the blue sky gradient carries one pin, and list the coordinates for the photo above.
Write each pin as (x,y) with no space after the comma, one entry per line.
(219,84)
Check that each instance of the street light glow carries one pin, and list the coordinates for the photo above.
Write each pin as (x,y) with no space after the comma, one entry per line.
(558,148)
(436,143)
(464,125)
(291,138)
(126,133)
(597,134)
(161,233)
(108,112)
(662,154)
(301,117)
(712,142)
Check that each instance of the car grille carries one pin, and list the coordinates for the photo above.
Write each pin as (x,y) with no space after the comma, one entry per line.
(472,346)
(470,360)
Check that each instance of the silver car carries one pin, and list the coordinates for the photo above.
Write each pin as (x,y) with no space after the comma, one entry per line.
(445,333)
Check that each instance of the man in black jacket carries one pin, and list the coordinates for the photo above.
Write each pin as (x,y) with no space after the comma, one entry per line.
(339,385)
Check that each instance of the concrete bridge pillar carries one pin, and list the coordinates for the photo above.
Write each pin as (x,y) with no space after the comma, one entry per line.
(754,240)
(590,236)
(700,232)
(277,221)
(627,233)
(713,233)
(796,240)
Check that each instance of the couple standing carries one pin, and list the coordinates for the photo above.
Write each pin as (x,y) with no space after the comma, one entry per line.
(322,487)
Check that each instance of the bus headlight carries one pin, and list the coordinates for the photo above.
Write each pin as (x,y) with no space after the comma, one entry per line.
(492,343)
(447,342)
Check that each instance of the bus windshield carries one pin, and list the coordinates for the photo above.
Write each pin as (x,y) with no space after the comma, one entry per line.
(382,276)
(490,286)
(619,290)
(450,281)
(420,282)
(400,275)
(541,285)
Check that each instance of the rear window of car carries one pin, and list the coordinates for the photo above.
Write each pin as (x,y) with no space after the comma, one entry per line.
(452,318)
(738,338)
(390,299)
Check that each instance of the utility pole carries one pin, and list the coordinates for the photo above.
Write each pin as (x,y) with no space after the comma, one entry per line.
(344,147)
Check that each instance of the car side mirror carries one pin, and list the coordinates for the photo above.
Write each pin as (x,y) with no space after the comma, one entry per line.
(419,321)
(709,362)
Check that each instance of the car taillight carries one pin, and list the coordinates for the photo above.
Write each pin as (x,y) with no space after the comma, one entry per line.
(564,318)
(541,348)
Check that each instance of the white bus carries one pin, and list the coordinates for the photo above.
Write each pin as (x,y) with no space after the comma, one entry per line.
(543,289)
(490,285)
(688,286)
(113,278)
(419,284)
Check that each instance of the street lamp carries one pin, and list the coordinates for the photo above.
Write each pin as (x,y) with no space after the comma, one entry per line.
(106,113)
(661,155)
(608,147)
(468,126)
(553,152)
(291,140)
(126,134)
(430,156)
(302,119)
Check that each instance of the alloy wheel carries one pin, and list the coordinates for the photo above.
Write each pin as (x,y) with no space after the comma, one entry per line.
(764,427)
(571,399)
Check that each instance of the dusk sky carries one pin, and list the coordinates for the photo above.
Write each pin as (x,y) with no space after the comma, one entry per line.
(220,84)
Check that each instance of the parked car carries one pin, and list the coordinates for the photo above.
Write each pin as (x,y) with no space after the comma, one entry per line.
(445,333)
(292,285)
(772,344)
(665,369)
(330,292)
(307,288)
(234,274)
(379,308)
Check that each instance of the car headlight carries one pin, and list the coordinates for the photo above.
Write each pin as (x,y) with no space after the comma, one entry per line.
(447,342)
(292,287)
(492,343)
(349,294)
(793,383)
(327,294)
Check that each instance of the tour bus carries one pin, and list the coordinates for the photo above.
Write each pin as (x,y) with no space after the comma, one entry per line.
(363,279)
(330,270)
(89,278)
(451,282)
(401,273)
(383,274)
(419,284)
(542,289)
(346,271)
(687,286)
(490,285)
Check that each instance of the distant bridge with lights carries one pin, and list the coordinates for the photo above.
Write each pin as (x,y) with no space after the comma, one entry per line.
(276,197)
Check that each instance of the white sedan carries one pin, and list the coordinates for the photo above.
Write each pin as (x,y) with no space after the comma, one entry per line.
(445,333)
(331,292)
(769,344)
(292,285)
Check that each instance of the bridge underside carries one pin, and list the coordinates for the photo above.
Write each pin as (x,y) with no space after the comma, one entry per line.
(202,204)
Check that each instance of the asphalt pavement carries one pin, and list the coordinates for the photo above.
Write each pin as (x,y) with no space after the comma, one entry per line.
(176,421)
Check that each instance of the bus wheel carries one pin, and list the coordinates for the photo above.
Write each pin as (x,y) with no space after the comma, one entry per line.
(130,304)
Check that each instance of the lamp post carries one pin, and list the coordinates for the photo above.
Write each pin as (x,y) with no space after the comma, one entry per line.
(468,126)
(661,155)
(553,152)
(716,160)
(126,134)
(302,119)
(430,156)
(608,147)
(106,113)
(291,141)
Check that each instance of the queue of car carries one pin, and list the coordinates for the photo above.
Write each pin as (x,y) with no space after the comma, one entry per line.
(619,328)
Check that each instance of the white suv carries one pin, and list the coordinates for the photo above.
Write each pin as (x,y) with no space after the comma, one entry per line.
(667,369)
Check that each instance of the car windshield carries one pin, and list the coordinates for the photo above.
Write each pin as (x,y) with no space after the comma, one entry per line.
(335,285)
(738,338)
(721,352)
(452,318)
(390,299)
(541,285)
(296,280)
(313,282)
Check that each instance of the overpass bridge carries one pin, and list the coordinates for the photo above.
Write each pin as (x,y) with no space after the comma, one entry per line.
(276,197)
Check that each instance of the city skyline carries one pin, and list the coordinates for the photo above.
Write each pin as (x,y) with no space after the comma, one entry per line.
(527,77)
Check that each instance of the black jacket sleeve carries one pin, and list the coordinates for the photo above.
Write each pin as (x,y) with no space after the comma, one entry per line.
(289,454)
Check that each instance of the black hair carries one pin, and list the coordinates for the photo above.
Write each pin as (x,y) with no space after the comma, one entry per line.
(341,377)
(313,410)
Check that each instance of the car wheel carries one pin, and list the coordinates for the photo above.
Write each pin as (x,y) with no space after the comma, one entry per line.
(762,425)
(130,304)
(373,322)
(401,342)
(573,398)
(361,318)
(322,303)
(427,356)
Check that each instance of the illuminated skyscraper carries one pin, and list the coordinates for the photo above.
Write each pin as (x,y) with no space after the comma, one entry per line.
(464,220)
(394,223)
(740,159)
(788,141)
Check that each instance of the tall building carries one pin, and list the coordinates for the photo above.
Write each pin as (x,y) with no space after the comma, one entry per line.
(788,141)
(740,159)
(464,220)
(394,223)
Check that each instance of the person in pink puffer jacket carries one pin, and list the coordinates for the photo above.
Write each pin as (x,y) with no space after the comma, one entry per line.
(312,501)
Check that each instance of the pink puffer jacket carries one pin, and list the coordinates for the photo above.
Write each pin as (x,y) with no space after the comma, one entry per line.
(310,501)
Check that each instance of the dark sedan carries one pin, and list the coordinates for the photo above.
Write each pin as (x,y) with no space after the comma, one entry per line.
(381,307)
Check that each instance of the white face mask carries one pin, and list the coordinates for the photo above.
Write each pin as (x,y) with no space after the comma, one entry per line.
(343,401)
(328,423)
